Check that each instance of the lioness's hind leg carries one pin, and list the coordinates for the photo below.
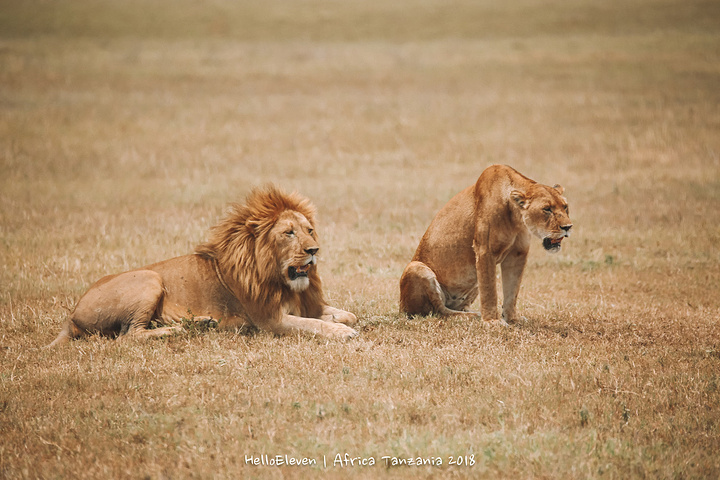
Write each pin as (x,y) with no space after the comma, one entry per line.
(420,292)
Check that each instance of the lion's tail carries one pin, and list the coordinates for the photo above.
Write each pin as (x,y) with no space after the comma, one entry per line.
(68,332)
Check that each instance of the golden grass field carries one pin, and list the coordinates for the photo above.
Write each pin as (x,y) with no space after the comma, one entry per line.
(127,127)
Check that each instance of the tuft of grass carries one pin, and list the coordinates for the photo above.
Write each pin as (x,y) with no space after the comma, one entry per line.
(195,326)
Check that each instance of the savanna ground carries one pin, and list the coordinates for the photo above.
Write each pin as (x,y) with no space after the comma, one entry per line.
(126,127)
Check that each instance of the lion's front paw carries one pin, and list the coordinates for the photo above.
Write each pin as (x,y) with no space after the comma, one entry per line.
(335,315)
(343,332)
(348,319)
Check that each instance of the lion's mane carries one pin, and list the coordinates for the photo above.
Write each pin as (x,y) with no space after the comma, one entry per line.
(246,256)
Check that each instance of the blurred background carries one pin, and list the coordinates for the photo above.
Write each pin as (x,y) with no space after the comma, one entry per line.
(127,127)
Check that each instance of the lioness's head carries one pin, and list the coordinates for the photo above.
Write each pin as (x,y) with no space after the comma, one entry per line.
(296,245)
(545,213)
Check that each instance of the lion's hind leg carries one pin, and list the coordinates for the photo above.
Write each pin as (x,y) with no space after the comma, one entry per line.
(147,291)
(155,332)
(68,332)
(123,305)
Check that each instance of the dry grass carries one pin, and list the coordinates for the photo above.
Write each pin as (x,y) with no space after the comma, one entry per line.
(125,129)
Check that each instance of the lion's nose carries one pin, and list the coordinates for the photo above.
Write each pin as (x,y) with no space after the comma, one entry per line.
(311,251)
(566,228)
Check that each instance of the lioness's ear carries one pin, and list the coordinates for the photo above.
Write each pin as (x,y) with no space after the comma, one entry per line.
(519,198)
(559,188)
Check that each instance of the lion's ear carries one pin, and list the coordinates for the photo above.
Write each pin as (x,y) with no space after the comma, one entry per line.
(559,188)
(519,198)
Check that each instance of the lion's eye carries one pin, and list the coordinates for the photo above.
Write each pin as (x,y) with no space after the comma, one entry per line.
(547,209)
(290,233)
(310,231)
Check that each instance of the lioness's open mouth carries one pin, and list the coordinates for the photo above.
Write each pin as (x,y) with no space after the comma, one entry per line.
(552,243)
(297,272)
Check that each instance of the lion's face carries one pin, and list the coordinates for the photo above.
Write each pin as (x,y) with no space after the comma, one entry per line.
(545,213)
(296,245)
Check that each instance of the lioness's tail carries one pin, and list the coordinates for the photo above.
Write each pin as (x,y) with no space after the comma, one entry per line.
(67,333)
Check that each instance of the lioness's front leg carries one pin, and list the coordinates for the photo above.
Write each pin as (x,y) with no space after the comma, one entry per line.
(512,270)
(485,264)
(293,324)
(332,314)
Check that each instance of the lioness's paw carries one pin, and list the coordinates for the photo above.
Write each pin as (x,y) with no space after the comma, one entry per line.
(515,320)
(499,322)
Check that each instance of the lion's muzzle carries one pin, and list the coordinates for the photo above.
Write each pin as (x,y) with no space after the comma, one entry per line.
(296,272)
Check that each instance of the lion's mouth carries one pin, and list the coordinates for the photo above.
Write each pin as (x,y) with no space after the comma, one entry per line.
(297,272)
(552,244)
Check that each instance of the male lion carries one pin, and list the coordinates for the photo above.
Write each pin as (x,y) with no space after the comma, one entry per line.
(258,268)
(486,224)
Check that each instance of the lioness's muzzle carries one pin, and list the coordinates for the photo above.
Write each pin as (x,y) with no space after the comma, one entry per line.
(552,243)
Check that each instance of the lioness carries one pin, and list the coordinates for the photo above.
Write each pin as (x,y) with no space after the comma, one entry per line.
(259,267)
(486,224)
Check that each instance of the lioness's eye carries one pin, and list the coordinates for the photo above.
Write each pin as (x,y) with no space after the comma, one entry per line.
(547,209)
(310,231)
